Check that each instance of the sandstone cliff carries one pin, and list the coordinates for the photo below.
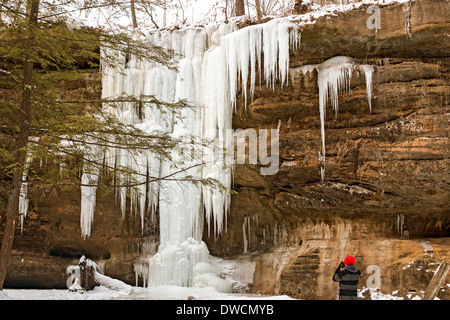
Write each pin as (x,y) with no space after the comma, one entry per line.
(385,169)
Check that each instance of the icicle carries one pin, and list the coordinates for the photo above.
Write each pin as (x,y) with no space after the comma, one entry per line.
(406,8)
(23,197)
(334,77)
(244,234)
(88,200)
(368,71)
(89,180)
(255,58)
(284,38)
(217,119)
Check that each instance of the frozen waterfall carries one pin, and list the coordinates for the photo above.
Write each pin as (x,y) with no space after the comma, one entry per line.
(213,63)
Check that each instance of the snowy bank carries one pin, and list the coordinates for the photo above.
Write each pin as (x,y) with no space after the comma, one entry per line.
(137,293)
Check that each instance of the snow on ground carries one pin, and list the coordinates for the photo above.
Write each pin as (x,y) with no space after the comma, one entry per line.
(376,294)
(165,293)
(138,293)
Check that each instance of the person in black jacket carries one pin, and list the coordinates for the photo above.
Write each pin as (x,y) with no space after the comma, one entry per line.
(348,277)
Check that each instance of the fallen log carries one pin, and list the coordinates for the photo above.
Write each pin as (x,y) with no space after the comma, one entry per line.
(437,281)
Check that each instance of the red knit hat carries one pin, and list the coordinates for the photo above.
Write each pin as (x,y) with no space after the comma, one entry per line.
(349,260)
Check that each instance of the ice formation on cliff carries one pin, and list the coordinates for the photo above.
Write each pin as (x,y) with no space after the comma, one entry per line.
(213,63)
(333,78)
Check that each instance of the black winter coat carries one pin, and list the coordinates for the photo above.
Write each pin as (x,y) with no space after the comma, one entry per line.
(348,279)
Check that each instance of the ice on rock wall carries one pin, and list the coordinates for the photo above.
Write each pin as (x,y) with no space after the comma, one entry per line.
(243,50)
(368,71)
(213,63)
(333,78)
(89,182)
(23,197)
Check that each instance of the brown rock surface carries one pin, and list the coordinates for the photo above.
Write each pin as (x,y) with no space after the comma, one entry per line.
(390,163)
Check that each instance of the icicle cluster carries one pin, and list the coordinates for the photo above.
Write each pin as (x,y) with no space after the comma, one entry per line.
(334,77)
(244,48)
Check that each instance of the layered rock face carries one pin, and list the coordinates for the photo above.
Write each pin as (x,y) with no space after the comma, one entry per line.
(385,169)
(386,173)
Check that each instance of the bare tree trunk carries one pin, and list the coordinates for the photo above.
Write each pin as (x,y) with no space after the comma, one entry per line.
(133,14)
(12,210)
(240,8)
(226,11)
(258,10)
(8,233)
(437,281)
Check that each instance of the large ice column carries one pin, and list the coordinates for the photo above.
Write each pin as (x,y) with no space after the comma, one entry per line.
(179,200)
(181,204)
(217,120)
(181,221)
